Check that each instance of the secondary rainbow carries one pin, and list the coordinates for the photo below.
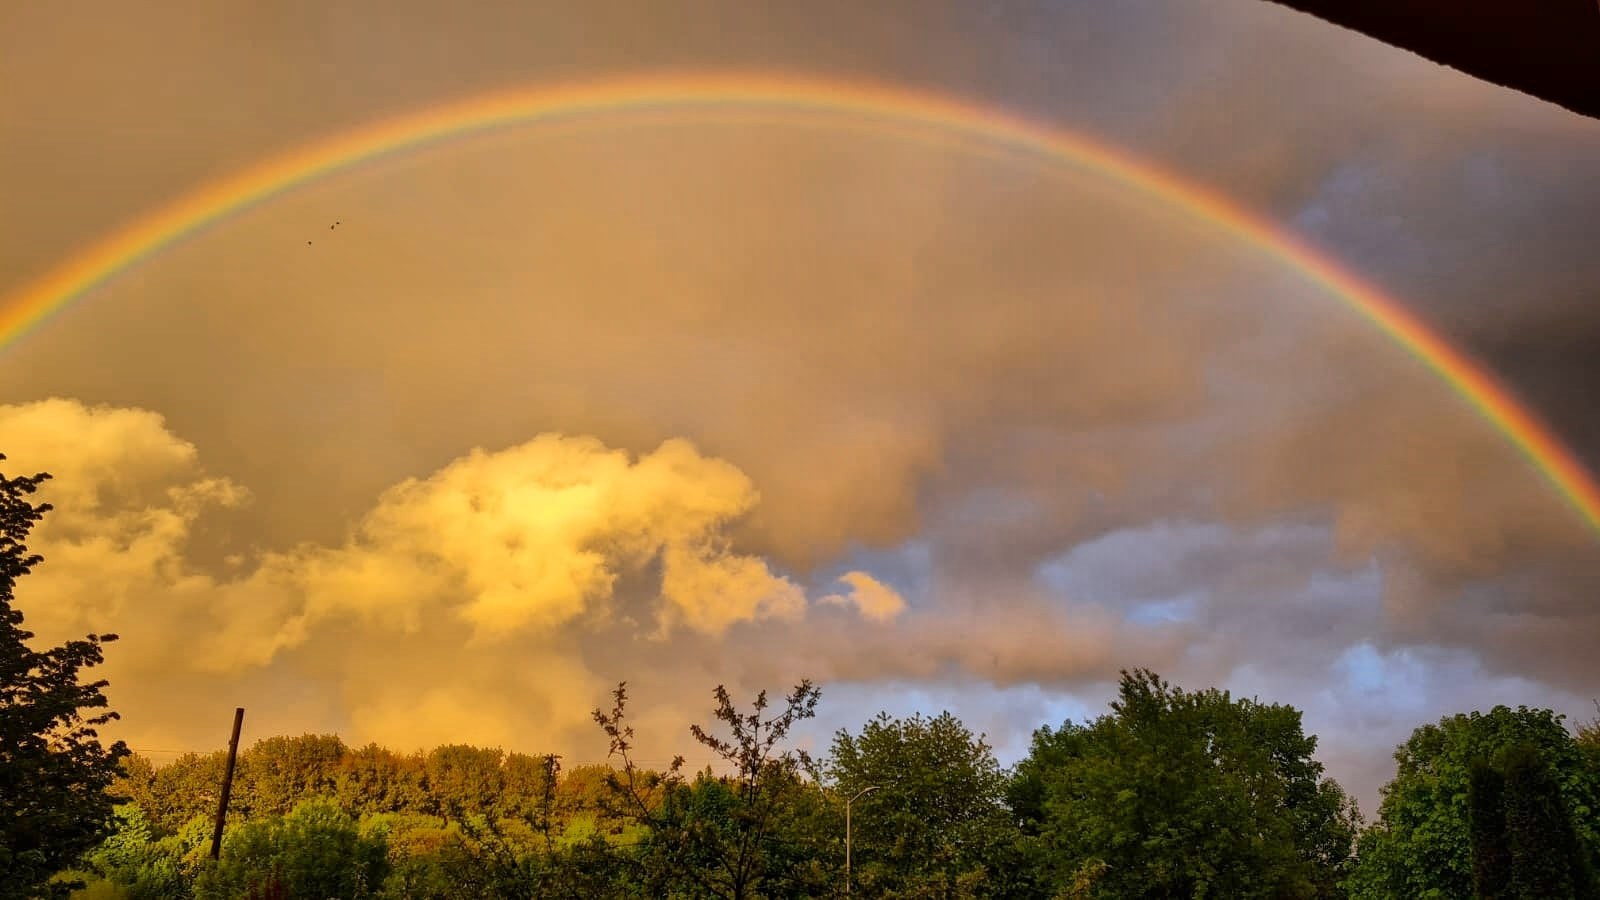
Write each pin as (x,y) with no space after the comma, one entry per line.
(37,301)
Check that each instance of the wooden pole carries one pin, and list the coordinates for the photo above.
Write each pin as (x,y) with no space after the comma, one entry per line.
(227,783)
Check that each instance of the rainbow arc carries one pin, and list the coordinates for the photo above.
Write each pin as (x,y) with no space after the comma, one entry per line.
(208,204)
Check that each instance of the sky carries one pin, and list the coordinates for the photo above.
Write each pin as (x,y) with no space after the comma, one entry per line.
(688,400)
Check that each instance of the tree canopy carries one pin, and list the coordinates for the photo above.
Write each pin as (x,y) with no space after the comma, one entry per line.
(1179,794)
(1421,844)
(736,835)
(936,823)
(54,771)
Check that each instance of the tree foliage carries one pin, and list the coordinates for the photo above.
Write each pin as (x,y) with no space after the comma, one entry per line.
(463,821)
(936,823)
(278,772)
(54,771)
(373,779)
(722,836)
(1486,824)
(317,850)
(1421,844)
(1547,858)
(1178,794)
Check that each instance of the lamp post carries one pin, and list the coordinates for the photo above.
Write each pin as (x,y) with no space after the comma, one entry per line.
(847,803)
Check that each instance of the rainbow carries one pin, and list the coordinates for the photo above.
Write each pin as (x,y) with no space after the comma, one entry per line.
(55,290)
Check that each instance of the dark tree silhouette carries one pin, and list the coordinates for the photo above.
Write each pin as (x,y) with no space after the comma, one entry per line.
(54,772)
(1547,859)
(1486,826)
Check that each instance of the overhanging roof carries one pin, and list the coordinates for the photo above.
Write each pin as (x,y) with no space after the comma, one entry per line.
(1547,48)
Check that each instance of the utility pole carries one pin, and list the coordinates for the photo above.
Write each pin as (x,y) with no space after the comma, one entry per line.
(227,783)
(547,802)
(847,804)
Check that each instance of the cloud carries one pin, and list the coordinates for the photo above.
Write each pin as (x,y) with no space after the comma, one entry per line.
(877,602)
(536,536)
(528,539)
(484,595)
(1067,429)
(126,495)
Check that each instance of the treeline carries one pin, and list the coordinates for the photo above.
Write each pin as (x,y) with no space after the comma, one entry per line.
(1170,794)
(452,781)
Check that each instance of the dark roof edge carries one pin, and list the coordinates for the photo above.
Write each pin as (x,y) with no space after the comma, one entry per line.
(1549,49)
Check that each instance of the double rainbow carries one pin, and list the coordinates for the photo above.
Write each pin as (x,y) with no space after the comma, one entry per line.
(36,302)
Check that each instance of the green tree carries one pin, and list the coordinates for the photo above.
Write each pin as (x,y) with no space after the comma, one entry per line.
(724,837)
(374,779)
(1547,859)
(937,824)
(507,845)
(135,776)
(588,870)
(1178,794)
(583,790)
(317,850)
(1486,823)
(54,772)
(530,792)
(464,780)
(279,772)
(426,857)
(1420,845)
(184,789)
(143,867)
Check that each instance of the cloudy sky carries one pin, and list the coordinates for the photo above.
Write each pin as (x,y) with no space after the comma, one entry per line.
(689,400)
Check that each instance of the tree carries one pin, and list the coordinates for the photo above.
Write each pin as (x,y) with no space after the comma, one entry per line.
(1589,732)
(1486,822)
(530,793)
(315,851)
(583,790)
(1589,740)
(374,779)
(54,772)
(1547,859)
(588,870)
(184,789)
(143,867)
(464,780)
(937,825)
(1421,844)
(724,836)
(279,772)
(1178,794)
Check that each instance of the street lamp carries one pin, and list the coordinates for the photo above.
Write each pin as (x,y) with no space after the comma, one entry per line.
(858,796)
